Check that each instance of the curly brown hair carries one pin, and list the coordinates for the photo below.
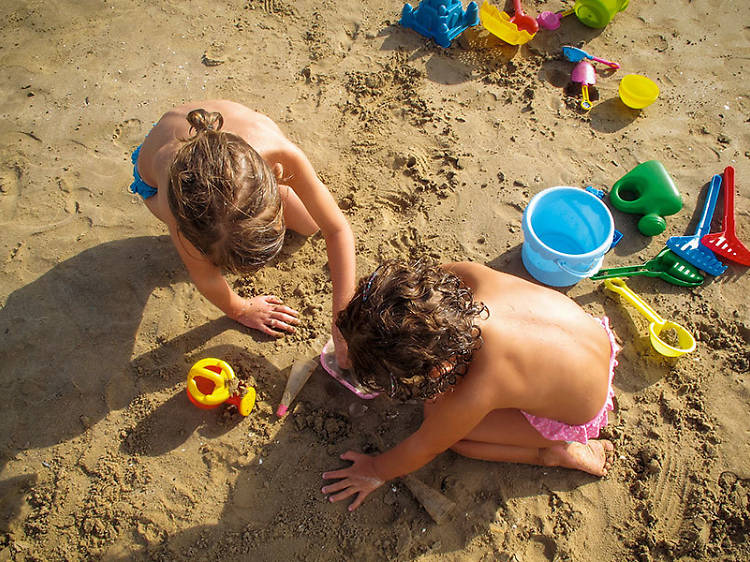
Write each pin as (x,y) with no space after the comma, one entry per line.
(407,321)
(225,197)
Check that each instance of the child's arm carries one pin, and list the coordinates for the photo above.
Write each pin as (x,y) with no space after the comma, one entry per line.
(335,229)
(265,313)
(453,417)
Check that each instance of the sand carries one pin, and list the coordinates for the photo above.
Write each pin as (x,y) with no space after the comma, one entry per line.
(428,151)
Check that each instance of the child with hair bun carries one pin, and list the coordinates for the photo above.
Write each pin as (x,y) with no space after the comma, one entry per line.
(227,183)
(509,371)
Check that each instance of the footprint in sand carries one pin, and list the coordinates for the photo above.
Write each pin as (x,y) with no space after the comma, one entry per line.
(10,190)
(129,133)
(670,493)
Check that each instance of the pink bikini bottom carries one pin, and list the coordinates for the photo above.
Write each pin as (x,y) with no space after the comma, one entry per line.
(559,431)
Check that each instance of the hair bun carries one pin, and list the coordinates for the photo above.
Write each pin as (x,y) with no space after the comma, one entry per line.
(201,121)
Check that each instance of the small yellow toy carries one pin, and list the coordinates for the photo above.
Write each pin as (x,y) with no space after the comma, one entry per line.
(212,382)
(685,341)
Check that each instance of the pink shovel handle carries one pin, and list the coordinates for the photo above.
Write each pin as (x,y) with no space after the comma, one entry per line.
(728,223)
(608,63)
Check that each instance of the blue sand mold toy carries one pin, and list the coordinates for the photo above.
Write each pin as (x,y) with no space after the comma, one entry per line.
(617,236)
(441,20)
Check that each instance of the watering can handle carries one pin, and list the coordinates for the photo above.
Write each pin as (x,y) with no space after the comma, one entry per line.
(618,286)
(571,271)
(214,377)
(708,209)
(218,396)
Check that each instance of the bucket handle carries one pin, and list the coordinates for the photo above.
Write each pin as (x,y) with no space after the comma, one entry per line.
(582,274)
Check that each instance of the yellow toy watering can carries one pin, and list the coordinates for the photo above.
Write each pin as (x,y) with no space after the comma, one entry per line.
(212,382)
(685,340)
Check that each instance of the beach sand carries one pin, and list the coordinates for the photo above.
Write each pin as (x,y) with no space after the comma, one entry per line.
(428,151)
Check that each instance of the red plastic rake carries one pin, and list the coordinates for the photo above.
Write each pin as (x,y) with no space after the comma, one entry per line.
(726,243)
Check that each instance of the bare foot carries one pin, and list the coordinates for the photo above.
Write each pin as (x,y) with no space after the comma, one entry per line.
(595,457)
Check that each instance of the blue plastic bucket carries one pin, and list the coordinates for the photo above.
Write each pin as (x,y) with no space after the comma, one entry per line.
(566,233)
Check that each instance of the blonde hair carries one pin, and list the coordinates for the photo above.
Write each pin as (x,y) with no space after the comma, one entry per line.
(224,197)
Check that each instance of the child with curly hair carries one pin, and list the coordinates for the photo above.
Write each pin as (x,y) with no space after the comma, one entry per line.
(510,371)
(227,182)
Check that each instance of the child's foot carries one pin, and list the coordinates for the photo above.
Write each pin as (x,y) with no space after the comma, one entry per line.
(595,457)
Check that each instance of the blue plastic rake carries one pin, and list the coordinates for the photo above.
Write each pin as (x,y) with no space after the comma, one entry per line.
(690,247)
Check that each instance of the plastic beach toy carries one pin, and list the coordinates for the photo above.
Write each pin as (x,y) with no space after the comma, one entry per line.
(212,382)
(567,231)
(726,243)
(598,13)
(298,376)
(666,265)
(500,25)
(647,190)
(441,20)
(689,247)
(637,91)
(685,340)
(328,362)
(523,21)
(552,20)
(574,54)
(585,75)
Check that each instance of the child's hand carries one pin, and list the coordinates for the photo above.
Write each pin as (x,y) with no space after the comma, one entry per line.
(268,314)
(342,350)
(360,479)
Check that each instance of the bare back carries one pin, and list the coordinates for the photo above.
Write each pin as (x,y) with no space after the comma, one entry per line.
(541,353)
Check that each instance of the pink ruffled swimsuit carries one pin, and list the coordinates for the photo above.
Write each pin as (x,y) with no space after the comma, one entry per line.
(559,431)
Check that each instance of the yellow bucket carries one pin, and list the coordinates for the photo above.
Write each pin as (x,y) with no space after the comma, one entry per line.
(637,91)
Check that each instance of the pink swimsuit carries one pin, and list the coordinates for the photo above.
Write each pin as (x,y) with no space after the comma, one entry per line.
(559,431)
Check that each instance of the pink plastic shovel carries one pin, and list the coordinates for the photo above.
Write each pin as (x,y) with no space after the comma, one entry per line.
(726,243)
(551,20)
(585,75)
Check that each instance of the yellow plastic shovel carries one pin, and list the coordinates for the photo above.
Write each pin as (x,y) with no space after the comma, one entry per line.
(686,341)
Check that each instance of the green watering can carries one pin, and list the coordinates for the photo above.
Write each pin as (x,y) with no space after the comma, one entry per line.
(667,266)
(647,190)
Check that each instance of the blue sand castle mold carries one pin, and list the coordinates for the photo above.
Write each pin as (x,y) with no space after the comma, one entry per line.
(441,20)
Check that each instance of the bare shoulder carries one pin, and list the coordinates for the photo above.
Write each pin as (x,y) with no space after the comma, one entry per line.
(221,105)
(474,274)
(236,115)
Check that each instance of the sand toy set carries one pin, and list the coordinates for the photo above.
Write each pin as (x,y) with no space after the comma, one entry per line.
(444,20)
(567,232)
